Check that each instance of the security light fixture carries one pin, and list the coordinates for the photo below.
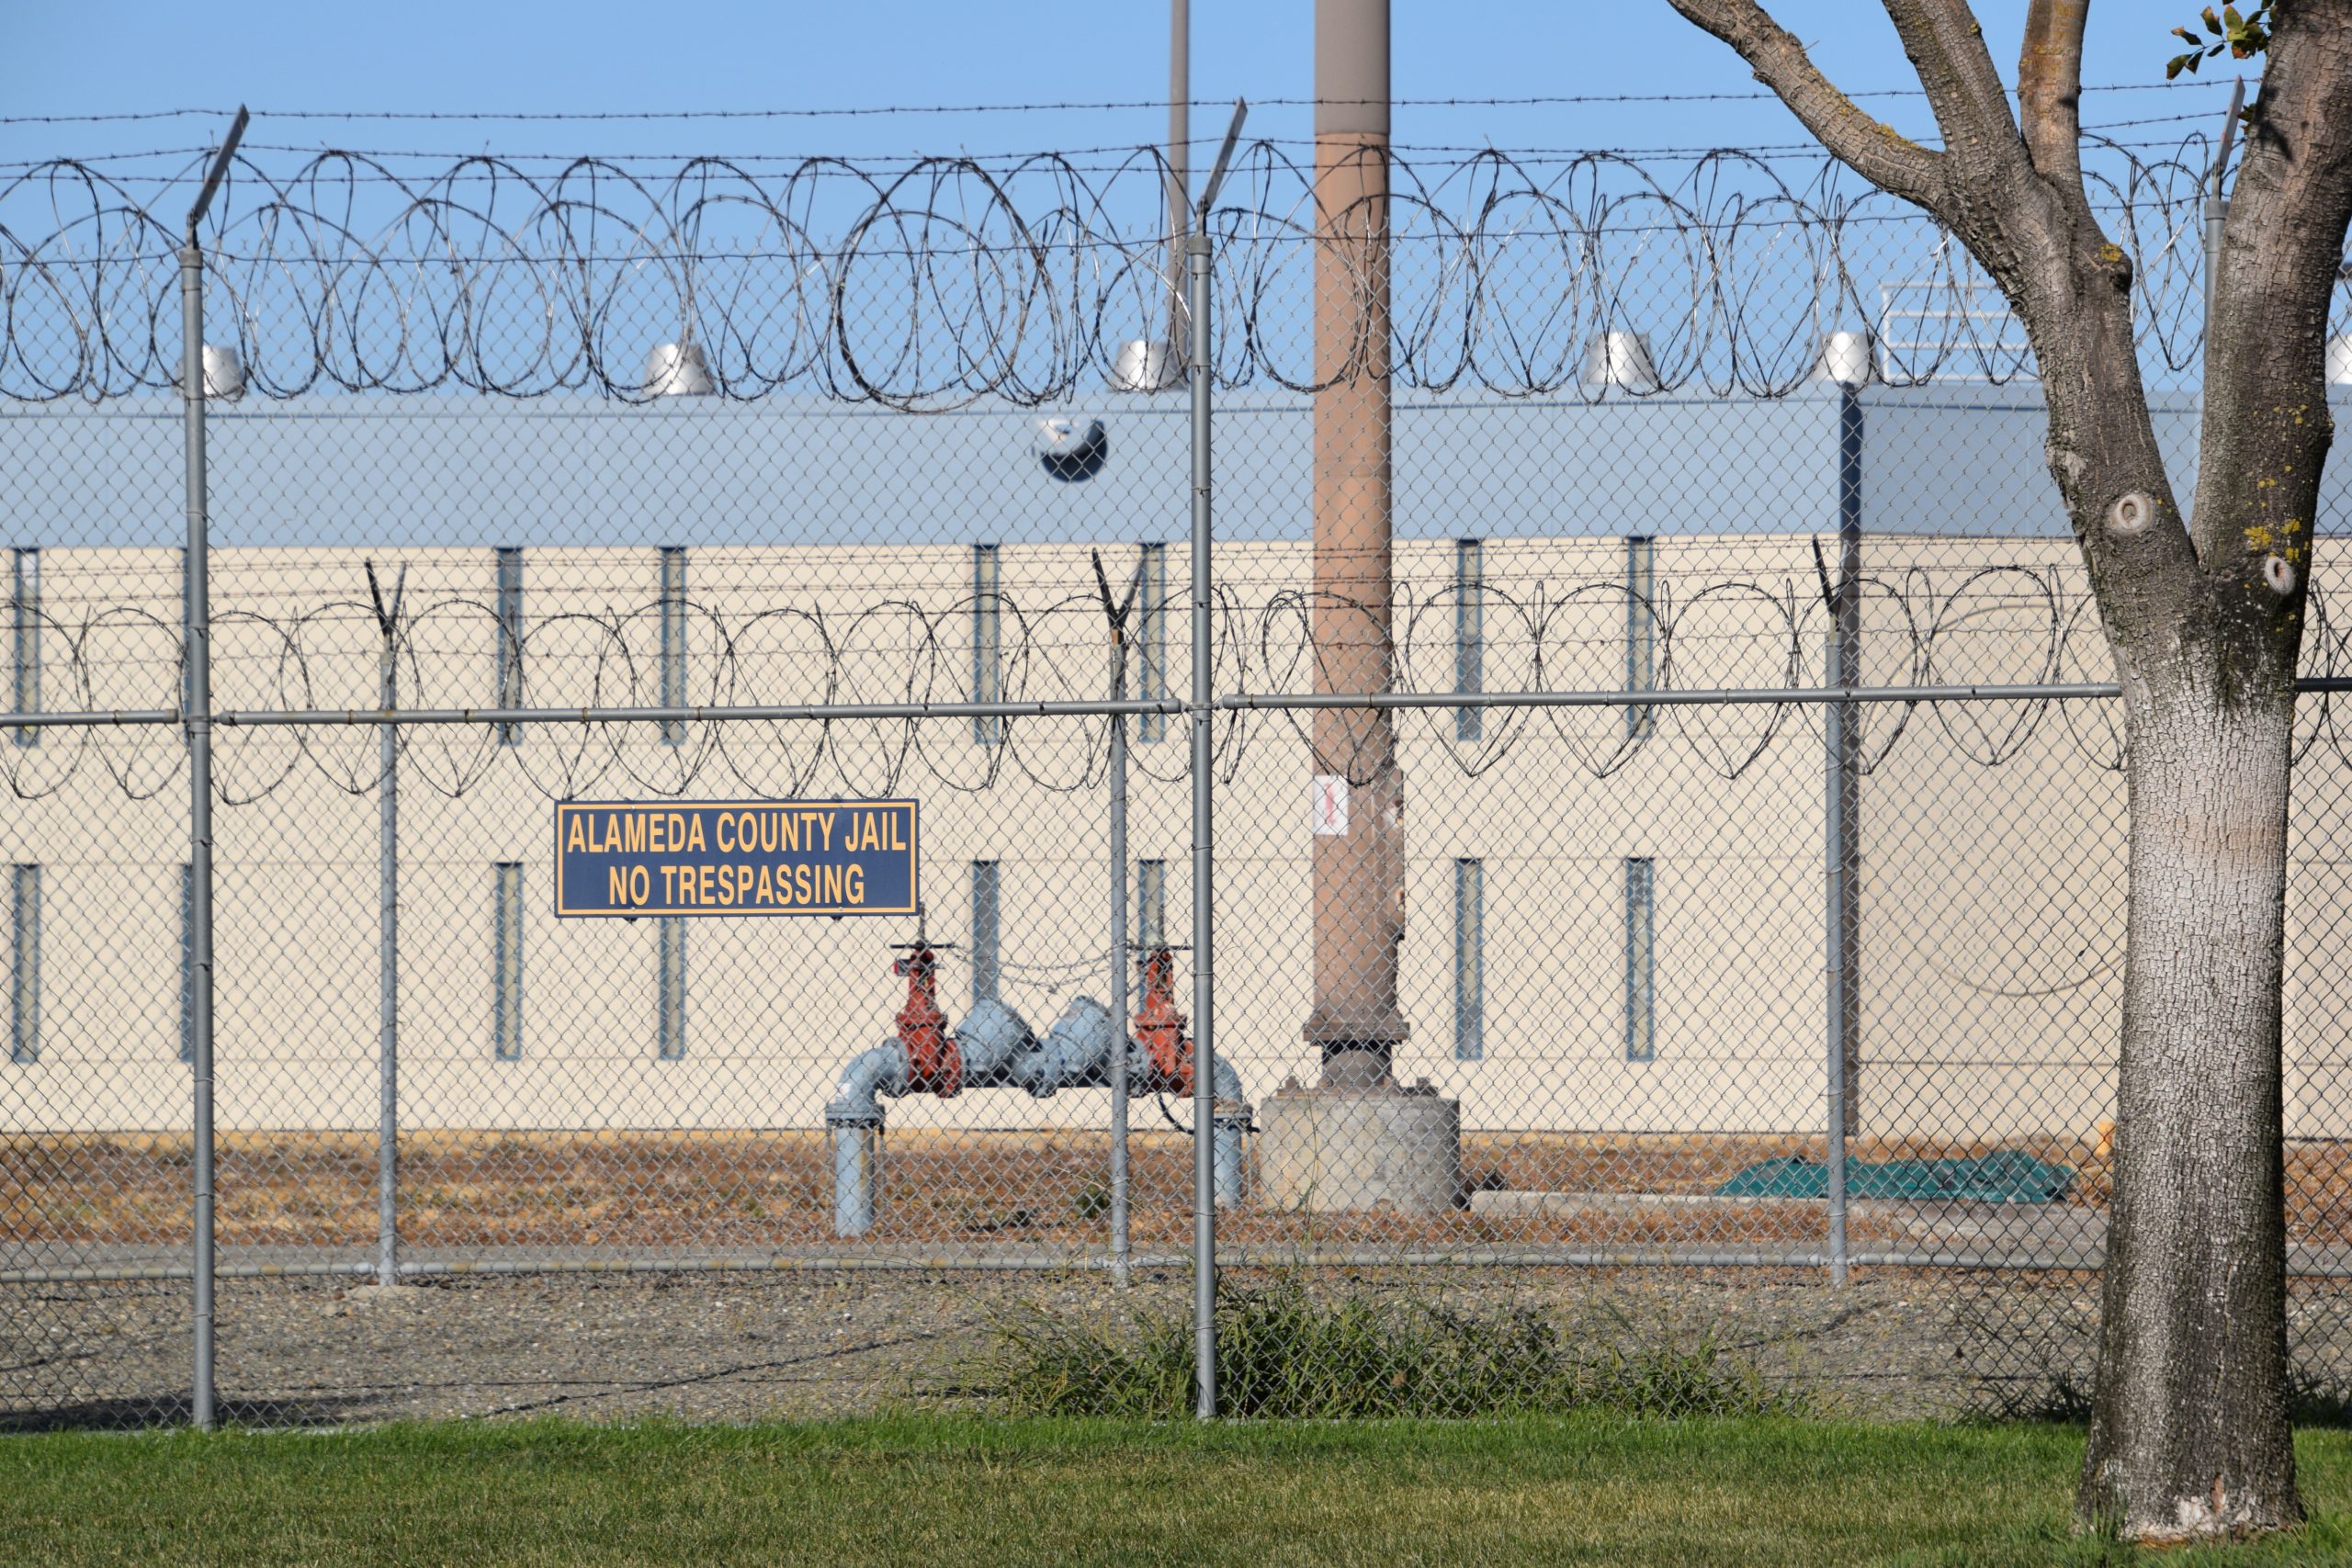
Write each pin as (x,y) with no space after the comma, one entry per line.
(1072,447)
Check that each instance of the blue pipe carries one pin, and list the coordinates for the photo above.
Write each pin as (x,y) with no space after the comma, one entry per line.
(998,1049)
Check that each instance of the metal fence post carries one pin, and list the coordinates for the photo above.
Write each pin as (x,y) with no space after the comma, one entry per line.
(1844,822)
(1120,1247)
(388,961)
(1198,261)
(197,700)
(1197,257)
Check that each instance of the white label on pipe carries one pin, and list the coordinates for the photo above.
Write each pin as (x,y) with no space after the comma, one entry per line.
(1330,806)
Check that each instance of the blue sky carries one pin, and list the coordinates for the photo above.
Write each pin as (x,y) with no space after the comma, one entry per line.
(69,56)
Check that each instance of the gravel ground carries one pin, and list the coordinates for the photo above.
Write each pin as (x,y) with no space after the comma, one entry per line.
(717,1347)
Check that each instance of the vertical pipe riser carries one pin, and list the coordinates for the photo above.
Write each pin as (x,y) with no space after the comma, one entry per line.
(857,1162)
(1230,1134)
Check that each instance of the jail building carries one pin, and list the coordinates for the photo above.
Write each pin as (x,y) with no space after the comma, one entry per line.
(1614,913)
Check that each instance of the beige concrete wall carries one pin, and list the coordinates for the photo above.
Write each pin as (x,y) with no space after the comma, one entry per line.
(1992,870)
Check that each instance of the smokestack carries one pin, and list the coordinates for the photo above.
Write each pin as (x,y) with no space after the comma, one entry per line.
(1358,877)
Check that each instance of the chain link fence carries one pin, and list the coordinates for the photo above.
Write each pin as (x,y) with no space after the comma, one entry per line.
(1705,915)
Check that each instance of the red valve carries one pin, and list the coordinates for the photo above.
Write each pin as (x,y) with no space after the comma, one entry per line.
(932,1061)
(1161,1027)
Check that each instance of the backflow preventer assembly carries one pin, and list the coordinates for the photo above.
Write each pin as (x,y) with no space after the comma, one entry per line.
(994,1048)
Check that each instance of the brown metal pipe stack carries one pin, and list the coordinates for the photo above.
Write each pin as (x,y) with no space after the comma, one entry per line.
(1359,875)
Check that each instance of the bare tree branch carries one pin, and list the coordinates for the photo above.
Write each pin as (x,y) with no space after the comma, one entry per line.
(1947,48)
(2050,88)
(1875,151)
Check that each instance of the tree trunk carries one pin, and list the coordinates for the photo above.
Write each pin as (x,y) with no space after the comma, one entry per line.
(2204,616)
(2188,1434)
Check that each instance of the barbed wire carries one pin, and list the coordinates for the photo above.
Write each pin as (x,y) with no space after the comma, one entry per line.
(944,282)
(851,112)
(1998,623)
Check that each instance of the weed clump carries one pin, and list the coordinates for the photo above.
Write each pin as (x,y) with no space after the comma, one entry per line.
(1285,1354)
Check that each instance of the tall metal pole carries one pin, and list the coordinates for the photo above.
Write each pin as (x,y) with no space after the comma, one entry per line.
(1180,161)
(1121,970)
(1359,861)
(197,612)
(1844,821)
(1196,252)
(2216,210)
(196,617)
(388,961)
(1198,367)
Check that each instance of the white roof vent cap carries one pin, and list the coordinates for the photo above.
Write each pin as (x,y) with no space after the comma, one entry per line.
(1845,359)
(1622,359)
(678,370)
(224,373)
(1144,365)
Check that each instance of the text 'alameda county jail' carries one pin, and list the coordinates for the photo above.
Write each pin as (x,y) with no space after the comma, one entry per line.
(791,857)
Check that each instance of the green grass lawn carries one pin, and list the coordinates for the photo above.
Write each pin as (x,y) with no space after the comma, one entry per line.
(947,1491)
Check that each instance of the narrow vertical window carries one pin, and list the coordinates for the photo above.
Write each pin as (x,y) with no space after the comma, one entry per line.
(671,986)
(1469,961)
(1641,630)
(25,602)
(673,640)
(509,641)
(507,999)
(987,667)
(985,967)
(24,963)
(1151,904)
(187,962)
(1469,633)
(1151,638)
(1641,952)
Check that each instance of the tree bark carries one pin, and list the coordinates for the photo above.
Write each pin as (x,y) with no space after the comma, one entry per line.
(2190,1435)
(2189,1426)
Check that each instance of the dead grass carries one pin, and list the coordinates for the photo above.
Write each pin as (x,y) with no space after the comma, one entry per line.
(765,1189)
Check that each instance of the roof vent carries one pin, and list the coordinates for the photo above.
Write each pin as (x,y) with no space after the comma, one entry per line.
(224,373)
(1622,359)
(1845,359)
(1072,447)
(678,370)
(1143,366)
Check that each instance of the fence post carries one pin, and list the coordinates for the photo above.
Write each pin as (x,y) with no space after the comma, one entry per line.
(1120,1246)
(1198,262)
(1844,822)
(195,700)
(387,960)
(1197,257)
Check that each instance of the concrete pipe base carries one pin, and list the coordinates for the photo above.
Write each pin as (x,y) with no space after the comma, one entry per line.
(1336,1151)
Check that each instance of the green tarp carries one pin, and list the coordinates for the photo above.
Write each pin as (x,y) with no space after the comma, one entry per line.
(2005,1176)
